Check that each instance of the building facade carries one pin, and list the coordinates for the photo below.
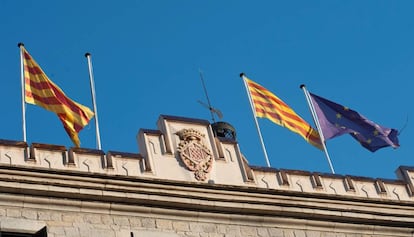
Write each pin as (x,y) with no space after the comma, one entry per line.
(189,179)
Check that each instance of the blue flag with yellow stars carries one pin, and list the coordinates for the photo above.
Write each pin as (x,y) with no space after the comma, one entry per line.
(336,120)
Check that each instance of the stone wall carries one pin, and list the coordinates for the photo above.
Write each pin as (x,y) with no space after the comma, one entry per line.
(89,224)
(76,204)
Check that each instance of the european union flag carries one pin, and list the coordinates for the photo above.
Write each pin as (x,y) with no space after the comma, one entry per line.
(335,120)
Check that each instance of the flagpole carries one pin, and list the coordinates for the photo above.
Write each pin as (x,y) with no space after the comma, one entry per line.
(95,110)
(318,126)
(21,45)
(242,75)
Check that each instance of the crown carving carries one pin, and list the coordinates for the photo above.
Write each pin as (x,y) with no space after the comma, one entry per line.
(190,134)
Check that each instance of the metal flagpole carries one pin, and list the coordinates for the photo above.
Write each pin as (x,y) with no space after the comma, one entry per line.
(255,119)
(95,110)
(316,120)
(21,45)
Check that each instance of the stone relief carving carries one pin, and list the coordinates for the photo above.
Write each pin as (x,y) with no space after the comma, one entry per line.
(194,154)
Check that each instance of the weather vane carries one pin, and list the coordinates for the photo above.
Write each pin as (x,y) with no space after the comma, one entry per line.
(208,105)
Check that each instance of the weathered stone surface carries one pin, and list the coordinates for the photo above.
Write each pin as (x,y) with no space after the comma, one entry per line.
(148,223)
(181,226)
(164,224)
(13,212)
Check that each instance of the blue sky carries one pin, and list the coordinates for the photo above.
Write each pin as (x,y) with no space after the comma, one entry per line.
(147,56)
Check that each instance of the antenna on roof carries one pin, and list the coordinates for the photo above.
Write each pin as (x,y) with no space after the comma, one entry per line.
(208,105)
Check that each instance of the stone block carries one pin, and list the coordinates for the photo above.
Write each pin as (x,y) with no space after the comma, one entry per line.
(13,212)
(115,227)
(106,219)
(3,212)
(148,223)
(229,230)
(153,233)
(289,233)
(191,234)
(248,230)
(209,228)
(71,232)
(59,224)
(203,227)
(44,215)
(300,233)
(216,235)
(309,233)
(71,217)
(332,234)
(196,227)
(135,222)
(262,232)
(29,214)
(164,224)
(93,219)
(275,232)
(55,230)
(121,220)
(181,226)
(96,232)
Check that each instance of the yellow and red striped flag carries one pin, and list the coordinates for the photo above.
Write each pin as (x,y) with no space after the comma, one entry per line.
(267,105)
(40,90)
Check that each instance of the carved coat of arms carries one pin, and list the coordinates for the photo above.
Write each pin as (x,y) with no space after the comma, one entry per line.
(194,154)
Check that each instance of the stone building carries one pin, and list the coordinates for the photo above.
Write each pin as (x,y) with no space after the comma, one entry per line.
(189,179)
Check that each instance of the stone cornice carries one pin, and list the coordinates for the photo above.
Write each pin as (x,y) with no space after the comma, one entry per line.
(205,198)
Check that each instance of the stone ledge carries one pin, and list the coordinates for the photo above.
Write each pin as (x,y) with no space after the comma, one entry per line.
(13,143)
(206,198)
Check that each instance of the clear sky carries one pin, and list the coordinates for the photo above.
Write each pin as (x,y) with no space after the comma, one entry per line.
(147,55)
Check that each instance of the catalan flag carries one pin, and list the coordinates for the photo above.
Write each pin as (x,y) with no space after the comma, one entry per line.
(267,105)
(40,90)
(336,120)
